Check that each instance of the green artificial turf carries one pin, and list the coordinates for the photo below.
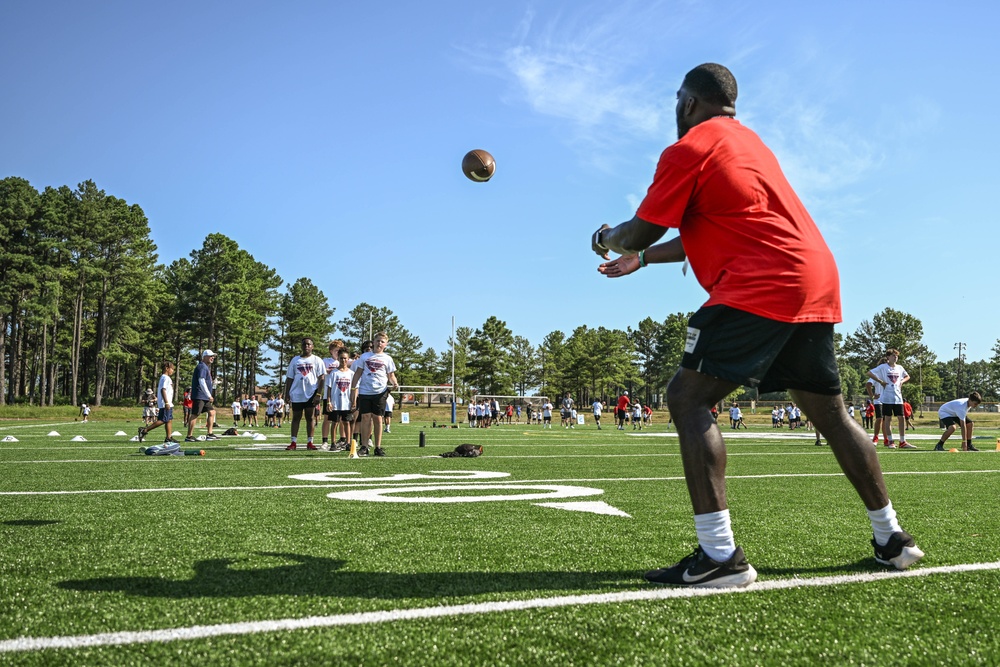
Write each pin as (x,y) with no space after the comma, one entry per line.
(125,542)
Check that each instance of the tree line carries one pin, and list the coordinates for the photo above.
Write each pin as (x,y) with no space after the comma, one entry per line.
(88,314)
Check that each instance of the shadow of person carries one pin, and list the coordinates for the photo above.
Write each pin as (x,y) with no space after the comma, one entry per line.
(317,576)
(863,566)
(30,522)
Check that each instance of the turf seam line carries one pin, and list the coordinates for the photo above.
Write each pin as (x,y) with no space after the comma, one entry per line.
(21,644)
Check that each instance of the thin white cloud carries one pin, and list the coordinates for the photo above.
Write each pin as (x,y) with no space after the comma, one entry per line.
(611,76)
(595,70)
(580,88)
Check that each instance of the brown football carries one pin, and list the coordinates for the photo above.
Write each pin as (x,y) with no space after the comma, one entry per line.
(478,165)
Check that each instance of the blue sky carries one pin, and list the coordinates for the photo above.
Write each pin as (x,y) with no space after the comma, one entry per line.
(326,139)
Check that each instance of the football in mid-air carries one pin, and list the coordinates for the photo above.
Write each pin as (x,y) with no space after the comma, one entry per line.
(478,166)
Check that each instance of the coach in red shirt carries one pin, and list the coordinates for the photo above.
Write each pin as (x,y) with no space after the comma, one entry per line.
(621,409)
(773,298)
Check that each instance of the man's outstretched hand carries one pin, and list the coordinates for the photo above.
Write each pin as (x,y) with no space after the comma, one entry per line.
(619,267)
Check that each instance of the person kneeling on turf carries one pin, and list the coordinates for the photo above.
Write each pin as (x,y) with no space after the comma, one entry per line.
(953,414)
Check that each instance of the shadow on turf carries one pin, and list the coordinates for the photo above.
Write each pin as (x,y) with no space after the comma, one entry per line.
(310,575)
(30,522)
(861,566)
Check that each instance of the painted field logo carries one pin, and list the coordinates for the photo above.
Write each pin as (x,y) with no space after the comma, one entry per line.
(462,493)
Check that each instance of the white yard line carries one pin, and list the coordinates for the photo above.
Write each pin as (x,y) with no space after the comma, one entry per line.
(396,615)
(33,425)
(375,482)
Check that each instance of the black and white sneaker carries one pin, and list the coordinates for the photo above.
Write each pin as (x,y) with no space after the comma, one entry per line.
(900,551)
(211,436)
(972,449)
(939,448)
(190,439)
(142,434)
(379,451)
(698,569)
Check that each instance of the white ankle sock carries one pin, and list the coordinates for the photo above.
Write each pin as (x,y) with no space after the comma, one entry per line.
(884,523)
(715,535)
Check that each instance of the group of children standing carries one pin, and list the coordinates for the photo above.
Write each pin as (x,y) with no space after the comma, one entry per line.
(247,406)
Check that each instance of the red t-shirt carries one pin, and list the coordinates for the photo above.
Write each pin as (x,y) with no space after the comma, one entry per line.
(623,402)
(751,243)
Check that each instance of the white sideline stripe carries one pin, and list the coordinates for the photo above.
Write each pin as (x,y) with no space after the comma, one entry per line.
(135,458)
(8,428)
(445,481)
(394,615)
(729,434)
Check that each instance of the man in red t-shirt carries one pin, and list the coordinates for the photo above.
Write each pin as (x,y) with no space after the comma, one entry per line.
(774,296)
(621,410)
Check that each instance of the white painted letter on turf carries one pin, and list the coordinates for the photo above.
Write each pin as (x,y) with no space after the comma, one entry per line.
(541,491)
(400,477)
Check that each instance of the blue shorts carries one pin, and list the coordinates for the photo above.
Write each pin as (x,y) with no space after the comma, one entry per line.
(165,415)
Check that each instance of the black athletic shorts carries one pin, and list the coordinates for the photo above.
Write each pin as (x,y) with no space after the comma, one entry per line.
(950,421)
(200,407)
(892,409)
(751,350)
(372,404)
(878,411)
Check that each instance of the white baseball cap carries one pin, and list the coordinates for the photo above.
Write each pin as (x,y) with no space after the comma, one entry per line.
(207,353)
(624,393)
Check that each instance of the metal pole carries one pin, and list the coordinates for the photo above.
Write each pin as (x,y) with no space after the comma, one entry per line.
(454,410)
(922,397)
(958,384)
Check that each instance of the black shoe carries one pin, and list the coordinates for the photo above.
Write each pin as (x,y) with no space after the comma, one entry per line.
(362,450)
(972,449)
(939,448)
(900,551)
(211,436)
(698,569)
(142,434)
(379,451)
(190,439)
(171,441)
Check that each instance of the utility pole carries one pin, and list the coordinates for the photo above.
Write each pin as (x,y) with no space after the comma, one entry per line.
(961,358)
